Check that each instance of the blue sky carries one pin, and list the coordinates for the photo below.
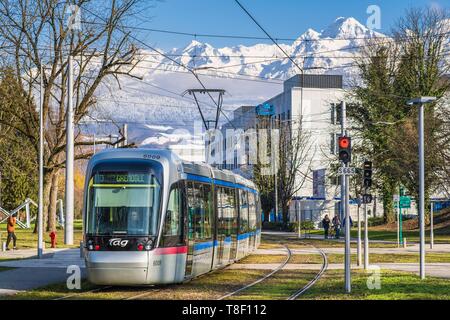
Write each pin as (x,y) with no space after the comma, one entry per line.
(282,18)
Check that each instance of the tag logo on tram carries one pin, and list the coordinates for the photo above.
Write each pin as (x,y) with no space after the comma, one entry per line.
(117,242)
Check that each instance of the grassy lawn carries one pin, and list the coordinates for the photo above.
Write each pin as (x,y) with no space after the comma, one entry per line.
(394,286)
(383,235)
(339,258)
(26,239)
(210,286)
(279,287)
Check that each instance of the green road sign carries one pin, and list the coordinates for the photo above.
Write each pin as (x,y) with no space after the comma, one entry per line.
(405,202)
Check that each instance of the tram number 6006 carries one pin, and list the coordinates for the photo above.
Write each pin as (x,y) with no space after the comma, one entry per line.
(238,309)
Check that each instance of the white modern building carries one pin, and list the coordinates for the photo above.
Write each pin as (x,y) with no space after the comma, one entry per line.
(312,103)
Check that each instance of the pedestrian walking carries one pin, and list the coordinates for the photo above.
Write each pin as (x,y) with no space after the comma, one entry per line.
(11,229)
(337,226)
(326,225)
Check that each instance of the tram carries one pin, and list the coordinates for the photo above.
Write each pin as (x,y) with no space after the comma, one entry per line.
(151,218)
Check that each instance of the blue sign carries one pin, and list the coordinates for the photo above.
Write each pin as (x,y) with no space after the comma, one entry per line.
(265,109)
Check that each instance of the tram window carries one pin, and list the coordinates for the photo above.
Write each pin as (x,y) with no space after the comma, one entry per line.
(122,207)
(172,224)
(251,211)
(196,210)
(243,220)
(200,208)
(227,217)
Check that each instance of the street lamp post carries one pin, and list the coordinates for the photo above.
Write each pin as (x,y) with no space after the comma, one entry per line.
(421,103)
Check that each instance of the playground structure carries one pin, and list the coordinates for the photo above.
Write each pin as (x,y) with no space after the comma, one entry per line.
(28,218)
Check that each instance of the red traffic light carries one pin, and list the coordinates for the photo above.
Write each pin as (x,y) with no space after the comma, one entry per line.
(344,142)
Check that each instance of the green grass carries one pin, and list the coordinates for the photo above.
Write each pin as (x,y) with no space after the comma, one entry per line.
(26,239)
(339,258)
(5,269)
(210,286)
(394,286)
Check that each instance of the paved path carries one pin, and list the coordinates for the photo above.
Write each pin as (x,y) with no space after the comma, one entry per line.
(24,279)
(441,270)
(320,237)
(31,273)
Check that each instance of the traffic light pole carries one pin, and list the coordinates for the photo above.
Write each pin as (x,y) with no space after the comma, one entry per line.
(348,285)
(366,239)
(358,248)
(345,206)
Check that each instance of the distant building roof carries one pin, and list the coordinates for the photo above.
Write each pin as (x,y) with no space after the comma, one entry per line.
(318,81)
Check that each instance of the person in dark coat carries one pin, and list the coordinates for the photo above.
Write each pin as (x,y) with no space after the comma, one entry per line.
(337,225)
(326,225)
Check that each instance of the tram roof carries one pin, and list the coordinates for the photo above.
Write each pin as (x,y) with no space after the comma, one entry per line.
(201,169)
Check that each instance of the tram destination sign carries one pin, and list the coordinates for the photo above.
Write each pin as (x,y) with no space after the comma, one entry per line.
(122,177)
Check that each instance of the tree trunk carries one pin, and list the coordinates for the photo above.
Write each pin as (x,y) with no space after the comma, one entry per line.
(53,203)
(388,201)
(285,209)
(47,184)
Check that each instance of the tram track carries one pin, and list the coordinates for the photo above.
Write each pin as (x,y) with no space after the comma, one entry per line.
(289,255)
(267,276)
(81,293)
(143,294)
(297,293)
(319,275)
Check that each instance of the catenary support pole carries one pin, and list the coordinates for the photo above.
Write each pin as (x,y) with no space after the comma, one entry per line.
(68,228)
(41,167)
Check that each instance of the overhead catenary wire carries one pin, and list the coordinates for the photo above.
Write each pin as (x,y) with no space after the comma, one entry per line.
(173,60)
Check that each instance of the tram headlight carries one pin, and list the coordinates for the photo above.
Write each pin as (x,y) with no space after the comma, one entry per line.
(148,246)
(90,247)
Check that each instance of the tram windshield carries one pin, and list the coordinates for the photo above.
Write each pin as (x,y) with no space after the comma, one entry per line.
(123,203)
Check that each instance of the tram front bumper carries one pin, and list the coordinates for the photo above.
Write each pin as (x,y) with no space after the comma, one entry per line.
(117,268)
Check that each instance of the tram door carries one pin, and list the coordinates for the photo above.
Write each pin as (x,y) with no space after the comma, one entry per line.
(190,229)
(220,226)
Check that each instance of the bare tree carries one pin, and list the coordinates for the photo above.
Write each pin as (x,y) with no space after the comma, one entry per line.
(294,163)
(290,148)
(39,34)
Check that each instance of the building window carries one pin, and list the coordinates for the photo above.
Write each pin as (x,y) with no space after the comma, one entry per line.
(336,114)
(333,143)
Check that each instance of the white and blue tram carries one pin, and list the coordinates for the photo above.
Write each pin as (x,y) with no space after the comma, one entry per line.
(150,218)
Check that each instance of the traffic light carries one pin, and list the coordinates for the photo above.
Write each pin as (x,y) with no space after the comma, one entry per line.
(367,174)
(345,149)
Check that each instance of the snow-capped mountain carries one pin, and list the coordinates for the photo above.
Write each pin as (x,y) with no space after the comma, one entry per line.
(328,51)
(249,74)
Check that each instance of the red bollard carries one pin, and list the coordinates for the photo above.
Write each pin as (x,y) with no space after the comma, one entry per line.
(53,238)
